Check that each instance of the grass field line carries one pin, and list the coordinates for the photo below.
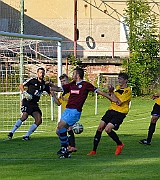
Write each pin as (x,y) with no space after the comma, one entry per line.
(38,132)
(3,140)
(136,119)
(28,159)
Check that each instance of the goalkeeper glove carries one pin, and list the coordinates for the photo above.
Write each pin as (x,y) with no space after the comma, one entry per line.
(27,96)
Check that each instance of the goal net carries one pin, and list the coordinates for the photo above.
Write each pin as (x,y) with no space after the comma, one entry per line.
(20,57)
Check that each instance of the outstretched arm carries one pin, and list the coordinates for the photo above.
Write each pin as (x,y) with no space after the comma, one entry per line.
(53,87)
(111,96)
(111,92)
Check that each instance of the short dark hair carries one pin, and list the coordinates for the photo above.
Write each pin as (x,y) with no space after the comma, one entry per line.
(41,69)
(123,75)
(79,71)
(63,76)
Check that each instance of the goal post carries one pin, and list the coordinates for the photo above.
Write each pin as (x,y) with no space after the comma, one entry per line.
(17,65)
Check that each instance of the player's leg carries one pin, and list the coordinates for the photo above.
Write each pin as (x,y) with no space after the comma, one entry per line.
(151,131)
(62,132)
(112,134)
(155,116)
(97,138)
(104,120)
(71,140)
(69,117)
(37,115)
(115,122)
(152,128)
(18,124)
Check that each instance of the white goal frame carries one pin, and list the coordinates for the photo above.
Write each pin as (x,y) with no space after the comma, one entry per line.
(59,54)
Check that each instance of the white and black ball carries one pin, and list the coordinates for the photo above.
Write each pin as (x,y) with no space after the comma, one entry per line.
(77,128)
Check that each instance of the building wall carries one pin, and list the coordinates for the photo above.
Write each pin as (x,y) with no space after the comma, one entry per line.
(56,18)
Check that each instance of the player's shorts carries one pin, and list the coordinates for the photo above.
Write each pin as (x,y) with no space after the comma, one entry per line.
(30,107)
(71,116)
(156,110)
(114,117)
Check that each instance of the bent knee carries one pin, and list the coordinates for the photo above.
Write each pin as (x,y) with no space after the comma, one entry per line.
(108,130)
(38,122)
(154,119)
(109,127)
(100,128)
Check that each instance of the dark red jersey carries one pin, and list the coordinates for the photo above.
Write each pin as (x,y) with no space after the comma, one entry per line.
(78,93)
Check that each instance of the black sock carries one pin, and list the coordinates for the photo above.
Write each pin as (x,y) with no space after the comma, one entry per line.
(71,138)
(97,139)
(151,130)
(115,138)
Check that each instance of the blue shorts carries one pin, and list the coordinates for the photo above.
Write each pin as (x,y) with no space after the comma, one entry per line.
(71,116)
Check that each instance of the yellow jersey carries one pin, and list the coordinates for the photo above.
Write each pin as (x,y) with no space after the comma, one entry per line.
(158,101)
(124,95)
(64,102)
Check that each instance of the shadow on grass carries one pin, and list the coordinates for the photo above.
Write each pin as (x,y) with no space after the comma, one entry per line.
(37,159)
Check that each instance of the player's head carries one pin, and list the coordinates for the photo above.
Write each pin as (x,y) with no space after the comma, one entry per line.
(78,73)
(64,79)
(123,75)
(122,79)
(40,73)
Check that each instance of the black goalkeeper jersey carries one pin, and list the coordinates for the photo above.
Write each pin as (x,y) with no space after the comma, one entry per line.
(36,88)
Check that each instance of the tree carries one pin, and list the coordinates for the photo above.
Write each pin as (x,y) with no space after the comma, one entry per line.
(144,46)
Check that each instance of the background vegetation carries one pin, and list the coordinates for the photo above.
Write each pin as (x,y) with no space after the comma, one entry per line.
(144,46)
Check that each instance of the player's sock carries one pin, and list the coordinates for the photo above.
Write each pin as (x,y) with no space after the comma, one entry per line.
(63,137)
(97,139)
(71,138)
(151,130)
(17,125)
(31,130)
(115,138)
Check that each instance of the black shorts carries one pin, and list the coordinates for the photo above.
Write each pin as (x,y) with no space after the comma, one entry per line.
(156,110)
(114,117)
(29,107)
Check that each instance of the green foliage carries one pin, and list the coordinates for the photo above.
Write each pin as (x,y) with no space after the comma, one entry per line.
(52,79)
(144,45)
(74,61)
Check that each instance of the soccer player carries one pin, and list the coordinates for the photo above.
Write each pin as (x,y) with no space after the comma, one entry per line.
(155,116)
(115,115)
(79,90)
(63,100)
(36,86)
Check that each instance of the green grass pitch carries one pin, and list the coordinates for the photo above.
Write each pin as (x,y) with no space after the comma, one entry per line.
(37,160)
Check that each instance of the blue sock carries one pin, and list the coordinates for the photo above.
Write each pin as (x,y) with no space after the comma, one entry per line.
(63,137)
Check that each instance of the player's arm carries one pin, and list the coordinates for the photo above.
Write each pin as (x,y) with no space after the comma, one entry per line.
(53,87)
(109,96)
(63,98)
(115,99)
(55,97)
(25,94)
(21,87)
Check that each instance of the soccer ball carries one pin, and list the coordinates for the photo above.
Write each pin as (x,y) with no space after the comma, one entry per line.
(77,128)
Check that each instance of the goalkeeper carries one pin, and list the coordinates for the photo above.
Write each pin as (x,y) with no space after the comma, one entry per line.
(31,97)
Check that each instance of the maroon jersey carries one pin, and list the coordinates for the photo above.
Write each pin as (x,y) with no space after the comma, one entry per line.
(78,93)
